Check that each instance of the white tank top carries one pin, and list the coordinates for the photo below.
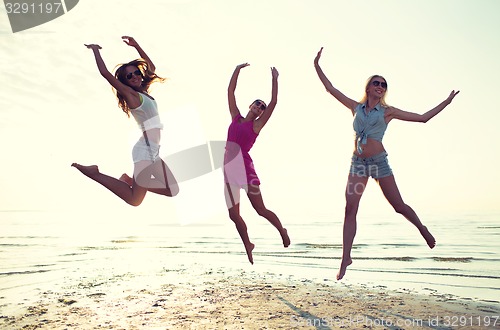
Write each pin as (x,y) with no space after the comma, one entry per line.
(146,115)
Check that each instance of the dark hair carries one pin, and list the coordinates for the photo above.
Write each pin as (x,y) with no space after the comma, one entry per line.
(148,77)
(259,101)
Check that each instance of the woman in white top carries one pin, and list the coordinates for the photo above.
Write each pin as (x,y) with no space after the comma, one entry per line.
(131,83)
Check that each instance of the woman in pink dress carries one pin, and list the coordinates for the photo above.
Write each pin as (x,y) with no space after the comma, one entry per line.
(239,171)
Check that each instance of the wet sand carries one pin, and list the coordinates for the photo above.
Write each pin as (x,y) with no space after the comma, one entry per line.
(218,298)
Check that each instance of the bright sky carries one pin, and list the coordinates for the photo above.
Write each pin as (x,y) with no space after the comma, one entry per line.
(56,109)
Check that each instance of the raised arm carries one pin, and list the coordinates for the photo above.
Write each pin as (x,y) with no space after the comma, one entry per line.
(262,120)
(133,43)
(125,90)
(349,103)
(394,113)
(231,98)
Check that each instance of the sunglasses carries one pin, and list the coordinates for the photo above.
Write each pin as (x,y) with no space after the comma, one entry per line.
(376,83)
(136,72)
(261,105)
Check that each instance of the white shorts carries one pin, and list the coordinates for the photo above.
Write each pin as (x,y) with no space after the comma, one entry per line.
(142,151)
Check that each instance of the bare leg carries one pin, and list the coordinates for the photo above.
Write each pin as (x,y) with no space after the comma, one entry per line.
(391,192)
(133,195)
(255,196)
(172,188)
(354,190)
(156,177)
(127,179)
(232,194)
(164,175)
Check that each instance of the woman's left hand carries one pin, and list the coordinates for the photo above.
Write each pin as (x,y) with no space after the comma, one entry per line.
(274,72)
(452,95)
(130,41)
(93,46)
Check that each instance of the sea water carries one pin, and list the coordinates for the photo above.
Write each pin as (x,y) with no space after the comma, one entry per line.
(38,249)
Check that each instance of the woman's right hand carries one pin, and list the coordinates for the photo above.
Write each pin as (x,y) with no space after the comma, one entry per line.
(93,46)
(316,60)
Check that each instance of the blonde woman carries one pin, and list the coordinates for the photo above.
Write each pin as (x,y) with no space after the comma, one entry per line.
(371,117)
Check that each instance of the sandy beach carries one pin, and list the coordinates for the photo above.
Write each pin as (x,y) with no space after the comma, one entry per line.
(219,298)
(168,276)
(74,256)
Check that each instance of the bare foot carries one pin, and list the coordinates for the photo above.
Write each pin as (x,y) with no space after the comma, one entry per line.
(431,241)
(343,268)
(125,178)
(285,238)
(249,250)
(89,171)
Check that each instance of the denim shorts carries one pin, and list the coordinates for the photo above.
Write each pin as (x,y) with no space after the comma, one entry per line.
(376,166)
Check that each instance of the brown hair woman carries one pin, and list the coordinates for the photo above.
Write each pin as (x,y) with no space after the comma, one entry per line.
(131,83)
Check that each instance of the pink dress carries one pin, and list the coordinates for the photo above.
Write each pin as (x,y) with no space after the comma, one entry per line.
(238,165)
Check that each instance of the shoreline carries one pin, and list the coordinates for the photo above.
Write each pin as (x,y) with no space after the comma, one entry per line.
(193,296)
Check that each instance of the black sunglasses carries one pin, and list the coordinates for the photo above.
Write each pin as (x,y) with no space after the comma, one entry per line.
(261,105)
(136,72)
(381,83)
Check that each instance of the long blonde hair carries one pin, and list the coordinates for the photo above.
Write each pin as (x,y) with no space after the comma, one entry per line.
(368,82)
(148,77)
